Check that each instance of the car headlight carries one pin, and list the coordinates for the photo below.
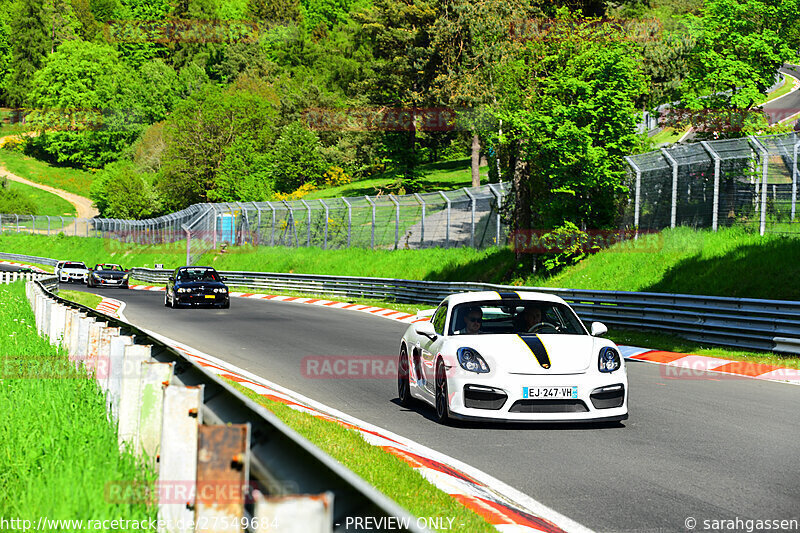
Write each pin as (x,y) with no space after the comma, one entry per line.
(221,291)
(471,360)
(184,290)
(609,360)
(94,275)
(125,276)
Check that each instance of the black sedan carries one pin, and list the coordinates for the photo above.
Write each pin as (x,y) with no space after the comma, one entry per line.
(107,275)
(190,285)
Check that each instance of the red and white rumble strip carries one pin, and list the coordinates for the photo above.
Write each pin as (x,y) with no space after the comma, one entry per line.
(686,366)
(111,307)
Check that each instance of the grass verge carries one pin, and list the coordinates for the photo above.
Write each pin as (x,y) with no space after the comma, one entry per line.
(390,475)
(64,178)
(58,452)
(84,298)
(47,203)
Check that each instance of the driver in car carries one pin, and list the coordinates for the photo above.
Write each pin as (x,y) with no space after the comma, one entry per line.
(472,321)
(529,319)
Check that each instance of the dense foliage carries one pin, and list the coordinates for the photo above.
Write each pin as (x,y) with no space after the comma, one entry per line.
(246,100)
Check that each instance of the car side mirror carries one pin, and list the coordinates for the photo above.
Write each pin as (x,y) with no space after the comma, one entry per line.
(598,329)
(426,329)
(171,278)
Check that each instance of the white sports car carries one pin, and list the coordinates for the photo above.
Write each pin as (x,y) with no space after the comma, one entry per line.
(512,357)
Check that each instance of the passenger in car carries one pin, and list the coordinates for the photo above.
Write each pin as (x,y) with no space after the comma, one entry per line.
(473,320)
(527,319)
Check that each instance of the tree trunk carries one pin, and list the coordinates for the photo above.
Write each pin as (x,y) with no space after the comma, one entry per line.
(476,159)
(522,200)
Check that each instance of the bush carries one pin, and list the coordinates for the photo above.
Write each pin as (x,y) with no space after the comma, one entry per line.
(14,201)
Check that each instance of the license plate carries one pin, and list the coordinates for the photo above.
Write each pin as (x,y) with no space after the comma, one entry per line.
(210,296)
(539,393)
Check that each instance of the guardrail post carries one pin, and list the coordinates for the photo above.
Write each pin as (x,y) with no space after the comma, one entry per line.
(93,346)
(47,307)
(764,166)
(325,241)
(177,466)
(315,512)
(58,317)
(372,226)
(74,326)
(116,353)
(155,376)
(130,396)
(674,203)
(308,222)
(499,196)
(103,356)
(396,220)
(422,225)
(794,178)
(349,220)
(223,462)
(717,159)
(82,346)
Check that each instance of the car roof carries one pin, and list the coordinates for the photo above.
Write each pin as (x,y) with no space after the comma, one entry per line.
(484,296)
(195,268)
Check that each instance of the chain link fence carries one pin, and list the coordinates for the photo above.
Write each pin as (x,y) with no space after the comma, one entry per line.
(749,181)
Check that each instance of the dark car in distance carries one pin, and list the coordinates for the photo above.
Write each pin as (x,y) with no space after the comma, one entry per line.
(107,275)
(196,285)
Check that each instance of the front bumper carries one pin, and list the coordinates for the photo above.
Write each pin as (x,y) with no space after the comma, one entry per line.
(66,277)
(478,397)
(109,282)
(201,298)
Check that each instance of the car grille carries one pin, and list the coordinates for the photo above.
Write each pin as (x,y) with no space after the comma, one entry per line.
(549,406)
(483,398)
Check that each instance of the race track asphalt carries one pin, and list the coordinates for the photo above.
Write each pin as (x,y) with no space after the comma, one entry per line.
(701,446)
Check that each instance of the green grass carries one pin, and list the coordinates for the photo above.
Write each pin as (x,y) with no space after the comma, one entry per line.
(443,176)
(786,87)
(64,178)
(668,135)
(58,453)
(390,475)
(47,203)
(84,298)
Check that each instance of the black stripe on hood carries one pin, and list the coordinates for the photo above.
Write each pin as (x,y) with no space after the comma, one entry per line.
(538,349)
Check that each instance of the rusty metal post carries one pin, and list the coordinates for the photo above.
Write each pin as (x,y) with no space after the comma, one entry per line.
(223,459)
(177,466)
(93,346)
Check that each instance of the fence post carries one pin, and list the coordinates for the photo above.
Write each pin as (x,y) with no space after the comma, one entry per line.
(349,220)
(636,195)
(325,239)
(794,178)
(371,203)
(447,228)
(717,159)
(272,235)
(308,223)
(674,213)
(188,244)
(764,163)
(48,225)
(422,226)
(258,223)
(472,217)
(499,196)
(17,216)
(396,220)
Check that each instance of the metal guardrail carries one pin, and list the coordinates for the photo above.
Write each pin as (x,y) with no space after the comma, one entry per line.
(281,461)
(738,322)
(28,258)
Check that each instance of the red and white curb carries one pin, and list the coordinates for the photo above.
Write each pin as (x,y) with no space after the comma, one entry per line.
(687,365)
(32,267)
(502,506)
(111,307)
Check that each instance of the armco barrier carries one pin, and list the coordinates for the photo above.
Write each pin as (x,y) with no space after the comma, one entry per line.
(215,449)
(739,322)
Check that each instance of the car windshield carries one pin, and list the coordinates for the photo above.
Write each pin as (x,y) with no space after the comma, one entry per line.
(525,317)
(198,274)
(109,267)
(74,265)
